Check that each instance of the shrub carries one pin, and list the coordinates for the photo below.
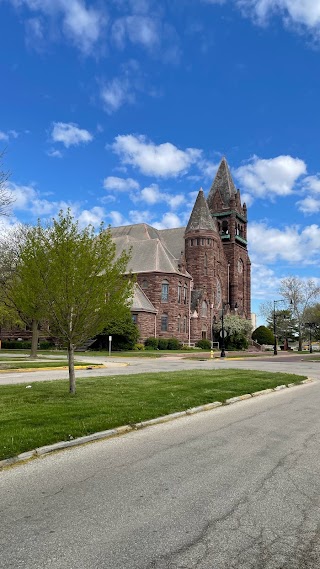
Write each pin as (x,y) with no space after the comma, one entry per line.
(24,345)
(263,335)
(173,344)
(139,347)
(162,343)
(151,343)
(236,342)
(204,344)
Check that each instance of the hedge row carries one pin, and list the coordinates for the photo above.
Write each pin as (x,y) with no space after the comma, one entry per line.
(162,344)
(24,345)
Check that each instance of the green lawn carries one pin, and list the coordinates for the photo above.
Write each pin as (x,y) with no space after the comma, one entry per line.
(46,413)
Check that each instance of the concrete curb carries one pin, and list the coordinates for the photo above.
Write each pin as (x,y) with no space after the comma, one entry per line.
(110,433)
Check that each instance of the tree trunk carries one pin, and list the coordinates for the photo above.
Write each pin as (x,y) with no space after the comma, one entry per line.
(34,340)
(72,377)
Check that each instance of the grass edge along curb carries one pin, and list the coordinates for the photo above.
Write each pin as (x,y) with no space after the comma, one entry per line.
(110,433)
(53,368)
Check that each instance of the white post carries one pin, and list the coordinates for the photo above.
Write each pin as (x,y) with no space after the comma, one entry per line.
(110,341)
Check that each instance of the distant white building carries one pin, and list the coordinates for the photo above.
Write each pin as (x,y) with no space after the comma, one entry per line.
(253,320)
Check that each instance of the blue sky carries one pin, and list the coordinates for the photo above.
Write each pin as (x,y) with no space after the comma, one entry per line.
(122,110)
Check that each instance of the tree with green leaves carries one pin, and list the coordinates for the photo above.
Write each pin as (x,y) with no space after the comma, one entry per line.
(124,332)
(263,335)
(312,316)
(80,280)
(300,294)
(238,331)
(286,325)
(21,291)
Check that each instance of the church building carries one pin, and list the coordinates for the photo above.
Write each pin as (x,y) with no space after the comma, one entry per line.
(188,275)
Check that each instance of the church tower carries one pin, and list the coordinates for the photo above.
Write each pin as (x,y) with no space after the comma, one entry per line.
(225,206)
(205,261)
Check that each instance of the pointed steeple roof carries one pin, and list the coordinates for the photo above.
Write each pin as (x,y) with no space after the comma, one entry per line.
(223,183)
(200,218)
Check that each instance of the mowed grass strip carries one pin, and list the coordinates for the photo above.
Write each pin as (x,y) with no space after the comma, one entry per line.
(46,413)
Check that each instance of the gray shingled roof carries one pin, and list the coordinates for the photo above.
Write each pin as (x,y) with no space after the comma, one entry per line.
(140,303)
(138,231)
(174,240)
(150,251)
(223,182)
(200,216)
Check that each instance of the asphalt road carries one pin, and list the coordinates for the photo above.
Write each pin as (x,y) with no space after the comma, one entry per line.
(234,488)
(305,365)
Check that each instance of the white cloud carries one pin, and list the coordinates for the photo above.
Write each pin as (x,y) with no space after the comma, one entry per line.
(116,93)
(53,153)
(312,184)
(208,168)
(305,13)
(246,198)
(92,216)
(266,178)
(117,218)
(70,134)
(137,29)
(22,195)
(291,244)
(309,205)
(81,25)
(164,160)
(120,184)
(169,221)
(140,216)
(264,282)
(5,136)
(152,195)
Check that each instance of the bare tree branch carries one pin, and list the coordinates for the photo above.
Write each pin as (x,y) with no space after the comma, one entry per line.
(6,197)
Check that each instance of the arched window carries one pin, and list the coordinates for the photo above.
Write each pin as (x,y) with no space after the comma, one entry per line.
(225,227)
(205,264)
(164,323)
(144,283)
(204,309)
(179,323)
(179,292)
(185,294)
(185,324)
(164,291)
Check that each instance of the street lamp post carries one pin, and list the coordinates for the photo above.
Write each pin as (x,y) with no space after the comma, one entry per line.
(310,325)
(275,351)
(223,353)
